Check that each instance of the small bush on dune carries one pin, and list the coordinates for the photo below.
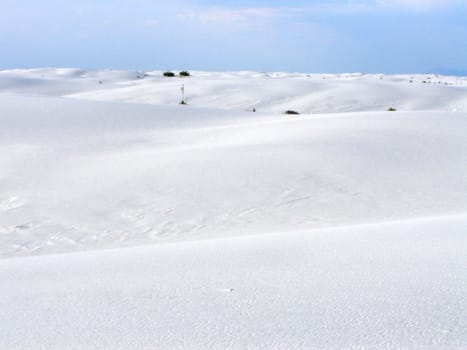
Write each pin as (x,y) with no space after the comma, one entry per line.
(169,74)
(184,73)
(391,109)
(290,112)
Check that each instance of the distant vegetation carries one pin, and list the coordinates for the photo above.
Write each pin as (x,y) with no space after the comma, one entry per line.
(391,109)
(291,112)
(183,73)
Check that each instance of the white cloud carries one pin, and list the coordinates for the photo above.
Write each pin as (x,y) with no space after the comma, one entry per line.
(249,16)
(421,5)
(358,6)
(231,16)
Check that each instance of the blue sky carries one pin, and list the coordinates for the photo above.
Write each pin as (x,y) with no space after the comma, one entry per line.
(310,36)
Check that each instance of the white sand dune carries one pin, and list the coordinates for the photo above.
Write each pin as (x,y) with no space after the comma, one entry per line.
(328,230)
(267,92)
(84,175)
(385,286)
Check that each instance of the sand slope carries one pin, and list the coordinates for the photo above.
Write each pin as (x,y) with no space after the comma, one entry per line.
(385,286)
(83,175)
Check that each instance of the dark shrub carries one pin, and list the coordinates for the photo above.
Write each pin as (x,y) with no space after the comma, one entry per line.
(169,74)
(291,112)
(390,109)
(184,73)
